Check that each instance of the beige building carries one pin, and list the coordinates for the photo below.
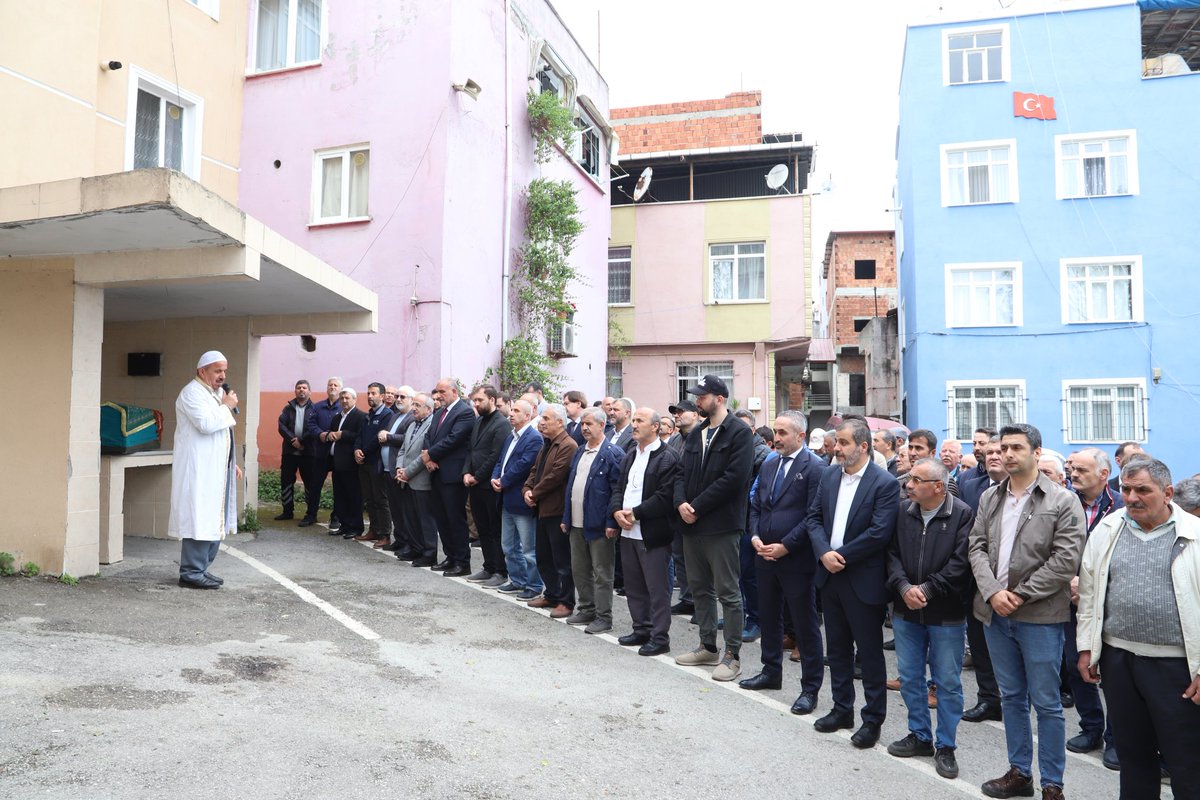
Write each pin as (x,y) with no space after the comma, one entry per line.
(119,234)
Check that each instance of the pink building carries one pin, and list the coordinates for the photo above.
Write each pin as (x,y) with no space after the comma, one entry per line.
(395,144)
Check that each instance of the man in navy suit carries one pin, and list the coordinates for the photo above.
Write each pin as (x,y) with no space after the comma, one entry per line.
(446,446)
(851,524)
(779,507)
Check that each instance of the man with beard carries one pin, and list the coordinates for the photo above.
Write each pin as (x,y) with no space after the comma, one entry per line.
(297,455)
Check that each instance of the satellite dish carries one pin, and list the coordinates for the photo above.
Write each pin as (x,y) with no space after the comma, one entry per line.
(777,176)
(643,184)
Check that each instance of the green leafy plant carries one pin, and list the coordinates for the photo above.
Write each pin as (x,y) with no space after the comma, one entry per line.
(69,580)
(30,569)
(249,521)
(268,489)
(551,122)
(7,564)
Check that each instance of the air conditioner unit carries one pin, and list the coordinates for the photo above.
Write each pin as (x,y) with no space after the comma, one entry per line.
(562,339)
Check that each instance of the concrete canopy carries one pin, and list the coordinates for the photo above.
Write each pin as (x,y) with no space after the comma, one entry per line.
(162,246)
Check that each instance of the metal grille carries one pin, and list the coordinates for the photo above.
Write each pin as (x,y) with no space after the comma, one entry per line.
(620,275)
(1106,413)
(688,372)
(993,407)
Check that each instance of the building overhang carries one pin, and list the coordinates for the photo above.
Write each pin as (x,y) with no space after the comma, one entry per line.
(164,247)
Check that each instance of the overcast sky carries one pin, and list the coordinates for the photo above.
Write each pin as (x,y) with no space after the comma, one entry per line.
(829,70)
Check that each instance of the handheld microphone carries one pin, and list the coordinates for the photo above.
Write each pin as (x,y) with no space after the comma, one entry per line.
(225,388)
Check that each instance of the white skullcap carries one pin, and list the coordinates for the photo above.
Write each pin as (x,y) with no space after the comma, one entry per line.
(211,357)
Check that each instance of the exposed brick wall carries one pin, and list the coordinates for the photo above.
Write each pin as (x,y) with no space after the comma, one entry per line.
(847,247)
(703,131)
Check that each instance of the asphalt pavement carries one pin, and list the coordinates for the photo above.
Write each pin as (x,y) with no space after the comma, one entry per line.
(324,669)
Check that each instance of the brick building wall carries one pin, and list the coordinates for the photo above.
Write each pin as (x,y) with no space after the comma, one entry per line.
(849,297)
(733,120)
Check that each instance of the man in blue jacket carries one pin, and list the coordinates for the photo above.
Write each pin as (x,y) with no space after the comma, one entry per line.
(590,485)
(518,521)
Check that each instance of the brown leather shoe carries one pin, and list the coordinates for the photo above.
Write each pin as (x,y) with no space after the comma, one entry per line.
(366,537)
(795,656)
(1052,793)
(1010,784)
(381,543)
(893,685)
(789,642)
(933,697)
(539,602)
(560,611)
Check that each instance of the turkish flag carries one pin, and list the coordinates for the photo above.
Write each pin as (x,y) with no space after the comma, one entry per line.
(1033,106)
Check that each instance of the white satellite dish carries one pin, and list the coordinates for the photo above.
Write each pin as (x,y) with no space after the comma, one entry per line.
(643,184)
(777,176)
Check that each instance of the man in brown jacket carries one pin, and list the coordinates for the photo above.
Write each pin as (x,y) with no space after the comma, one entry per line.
(545,490)
(1025,547)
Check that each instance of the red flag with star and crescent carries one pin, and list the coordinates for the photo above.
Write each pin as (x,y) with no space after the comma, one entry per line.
(1033,106)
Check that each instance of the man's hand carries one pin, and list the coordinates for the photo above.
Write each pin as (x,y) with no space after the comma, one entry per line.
(611,533)
(915,599)
(528,497)
(230,399)
(772,552)
(402,475)
(431,466)
(687,513)
(833,561)
(624,518)
(359,457)
(496,487)
(296,443)
(238,471)
(469,480)
(1089,673)
(383,436)
(425,456)
(1075,590)
(1005,602)
(1192,692)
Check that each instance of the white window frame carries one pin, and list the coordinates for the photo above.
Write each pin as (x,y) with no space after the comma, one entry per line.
(590,125)
(210,7)
(558,67)
(1005,53)
(612,261)
(702,368)
(193,118)
(1142,402)
(1060,166)
(736,261)
(317,176)
(1018,292)
(288,63)
(614,378)
(1022,401)
(963,147)
(1137,308)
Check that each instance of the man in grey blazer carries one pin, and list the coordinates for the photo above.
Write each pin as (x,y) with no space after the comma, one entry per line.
(417,496)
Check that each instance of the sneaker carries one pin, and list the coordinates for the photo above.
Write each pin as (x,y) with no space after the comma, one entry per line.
(729,667)
(598,625)
(945,763)
(1010,784)
(580,619)
(509,588)
(480,577)
(911,746)
(494,582)
(528,594)
(701,656)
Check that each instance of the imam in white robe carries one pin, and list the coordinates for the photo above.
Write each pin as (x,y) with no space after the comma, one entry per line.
(203,492)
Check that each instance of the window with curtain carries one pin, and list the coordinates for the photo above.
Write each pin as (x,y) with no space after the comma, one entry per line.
(975,56)
(341,183)
(1105,412)
(1101,292)
(982,295)
(288,34)
(1096,167)
(738,271)
(620,275)
(158,132)
(974,175)
(983,406)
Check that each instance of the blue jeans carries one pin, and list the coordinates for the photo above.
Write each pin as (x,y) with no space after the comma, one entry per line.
(518,537)
(942,647)
(1026,657)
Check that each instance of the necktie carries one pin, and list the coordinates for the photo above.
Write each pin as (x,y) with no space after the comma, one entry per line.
(779,476)
(445,414)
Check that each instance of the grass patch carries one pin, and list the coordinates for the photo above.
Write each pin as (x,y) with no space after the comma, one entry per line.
(7,564)
(30,570)
(268,490)
(69,580)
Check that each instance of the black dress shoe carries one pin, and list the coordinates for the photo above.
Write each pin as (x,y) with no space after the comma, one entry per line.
(654,649)
(304,523)
(392,547)
(633,639)
(983,710)
(762,681)
(349,534)
(834,720)
(806,703)
(283,516)
(406,555)
(890,644)
(1068,699)
(866,736)
(458,571)
(683,608)
(211,577)
(202,582)
(422,561)
(445,563)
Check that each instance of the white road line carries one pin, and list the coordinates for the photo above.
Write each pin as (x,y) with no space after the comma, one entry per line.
(304,594)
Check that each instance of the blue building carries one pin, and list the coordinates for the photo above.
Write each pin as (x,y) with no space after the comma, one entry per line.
(1048,231)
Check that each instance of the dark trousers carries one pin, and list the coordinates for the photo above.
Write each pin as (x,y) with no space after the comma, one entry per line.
(647,589)
(395,500)
(685,592)
(1149,715)
(1087,695)
(374,494)
(849,622)
(749,581)
(985,677)
(419,522)
(485,508)
(554,562)
(784,585)
(291,463)
(347,499)
(195,557)
(450,512)
(322,466)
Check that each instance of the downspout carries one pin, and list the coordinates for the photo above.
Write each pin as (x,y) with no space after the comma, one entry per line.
(506,277)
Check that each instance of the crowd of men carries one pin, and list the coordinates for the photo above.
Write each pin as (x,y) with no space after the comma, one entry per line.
(1048,572)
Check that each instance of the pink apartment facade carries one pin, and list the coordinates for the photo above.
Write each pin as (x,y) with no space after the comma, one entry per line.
(394,142)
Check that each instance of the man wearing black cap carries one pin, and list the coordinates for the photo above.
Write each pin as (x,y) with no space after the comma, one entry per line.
(711,496)
(686,418)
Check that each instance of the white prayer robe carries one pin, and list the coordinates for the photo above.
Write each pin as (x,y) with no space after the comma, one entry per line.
(203,492)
